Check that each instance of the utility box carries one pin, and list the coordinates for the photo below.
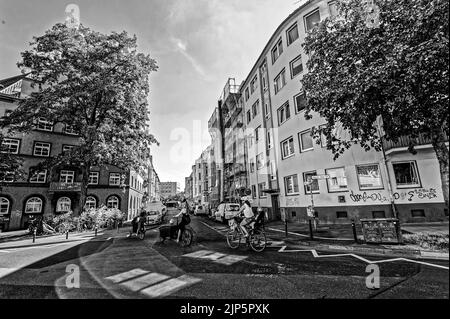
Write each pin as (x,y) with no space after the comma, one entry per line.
(381,231)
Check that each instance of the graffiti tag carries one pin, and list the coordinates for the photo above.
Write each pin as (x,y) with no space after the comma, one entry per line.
(421,193)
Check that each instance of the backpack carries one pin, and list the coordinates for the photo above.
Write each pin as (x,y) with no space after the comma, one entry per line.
(187,219)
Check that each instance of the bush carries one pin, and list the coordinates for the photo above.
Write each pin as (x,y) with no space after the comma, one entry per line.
(428,241)
(100,217)
(64,222)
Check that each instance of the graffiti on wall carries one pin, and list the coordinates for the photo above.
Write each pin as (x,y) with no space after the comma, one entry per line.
(421,193)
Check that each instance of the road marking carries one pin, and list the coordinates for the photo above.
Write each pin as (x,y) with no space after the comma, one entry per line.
(301,235)
(216,257)
(5,251)
(6,271)
(144,281)
(170,286)
(316,255)
(127,275)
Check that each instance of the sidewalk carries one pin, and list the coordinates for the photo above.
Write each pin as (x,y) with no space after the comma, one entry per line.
(13,234)
(339,238)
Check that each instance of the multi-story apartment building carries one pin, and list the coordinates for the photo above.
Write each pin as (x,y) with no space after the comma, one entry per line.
(282,156)
(153,183)
(188,187)
(46,193)
(168,189)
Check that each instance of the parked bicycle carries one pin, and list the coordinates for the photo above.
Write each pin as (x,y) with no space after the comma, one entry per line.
(256,239)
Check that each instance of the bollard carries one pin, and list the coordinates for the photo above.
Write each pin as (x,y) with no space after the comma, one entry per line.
(285,228)
(34,235)
(95,230)
(67,234)
(311,230)
(354,232)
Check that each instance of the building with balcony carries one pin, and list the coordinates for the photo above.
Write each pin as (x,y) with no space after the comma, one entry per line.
(56,191)
(168,189)
(282,156)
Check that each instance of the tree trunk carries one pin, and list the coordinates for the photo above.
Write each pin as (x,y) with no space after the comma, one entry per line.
(84,186)
(442,154)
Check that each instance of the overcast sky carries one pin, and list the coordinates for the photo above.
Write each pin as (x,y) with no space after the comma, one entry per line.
(197,44)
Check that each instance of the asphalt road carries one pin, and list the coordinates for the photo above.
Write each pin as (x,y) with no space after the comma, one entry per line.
(111,265)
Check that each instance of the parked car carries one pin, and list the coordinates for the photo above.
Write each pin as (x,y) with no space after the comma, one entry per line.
(200,210)
(155,212)
(226,210)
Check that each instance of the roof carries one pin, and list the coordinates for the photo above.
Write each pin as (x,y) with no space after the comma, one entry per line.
(8,81)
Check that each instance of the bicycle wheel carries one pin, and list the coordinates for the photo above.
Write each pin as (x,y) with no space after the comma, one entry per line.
(141,235)
(186,237)
(233,239)
(258,241)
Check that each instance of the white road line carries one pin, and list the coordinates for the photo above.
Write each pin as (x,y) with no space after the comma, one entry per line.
(127,275)
(213,256)
(316,255)
(170,286)
(144,281)
(230,259)
(301,235)
(198,254)
(5,251)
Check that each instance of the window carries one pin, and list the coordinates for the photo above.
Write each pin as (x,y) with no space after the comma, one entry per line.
(273,171)
(254,191)
(267,110)
(247,94)
(249,116)
(91,202)
(41,149)
(337,181)
(114,179)
(7,177)
(280,81)
(38,177)
(406,174)
(264,76)
(67,148)
(93,178)
(379,214)
(63,205)
(112,202)
(252,166)
(284,113)
(312,20)
(306,141)
(333,8)
(254,84)
(291,184)
(69,129)
(341,215)
(4,206)
(300,102)
(417,213)
(33,206)
(255,108)
(66,176)
(259,161)
(369,177)
(257,133)
(287,148)
(269,139)
(292,34)
(261,187)
(10,146)
(314,183)
(296,66)
(277,50)
(44,125)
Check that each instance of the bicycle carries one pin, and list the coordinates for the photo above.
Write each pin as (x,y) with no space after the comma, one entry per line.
(171,231)
(256,239)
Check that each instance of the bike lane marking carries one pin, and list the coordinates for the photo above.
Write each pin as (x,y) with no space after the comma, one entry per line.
(216,257)
(316,255)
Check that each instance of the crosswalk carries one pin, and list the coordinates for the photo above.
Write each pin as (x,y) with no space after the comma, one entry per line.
(152,284)
(216,257)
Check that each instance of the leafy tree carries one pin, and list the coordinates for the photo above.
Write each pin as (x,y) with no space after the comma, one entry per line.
(98,85)
(393,69)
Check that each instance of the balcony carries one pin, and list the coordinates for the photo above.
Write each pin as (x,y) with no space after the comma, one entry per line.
(403,142)
(231,89)
(64,187)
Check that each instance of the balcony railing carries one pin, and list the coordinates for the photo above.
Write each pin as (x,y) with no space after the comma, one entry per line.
(405,141)
(230,88)
(65,187)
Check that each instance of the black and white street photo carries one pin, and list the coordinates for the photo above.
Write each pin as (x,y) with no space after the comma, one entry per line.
(224,155)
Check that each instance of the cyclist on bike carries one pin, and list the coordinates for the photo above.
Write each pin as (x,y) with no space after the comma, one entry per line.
(246,208)
(184,213)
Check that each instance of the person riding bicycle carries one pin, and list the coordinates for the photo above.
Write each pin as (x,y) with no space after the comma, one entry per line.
(246,208)
(185,219)
(137,223)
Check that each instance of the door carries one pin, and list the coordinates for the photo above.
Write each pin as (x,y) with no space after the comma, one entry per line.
(276,214)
